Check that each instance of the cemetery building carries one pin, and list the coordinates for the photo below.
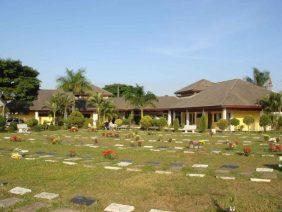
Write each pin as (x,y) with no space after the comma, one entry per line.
(222,100)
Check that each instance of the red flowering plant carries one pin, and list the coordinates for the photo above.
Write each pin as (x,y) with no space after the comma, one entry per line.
(231,145)
(15,138)
(275,147)
(247,150)
(109,154)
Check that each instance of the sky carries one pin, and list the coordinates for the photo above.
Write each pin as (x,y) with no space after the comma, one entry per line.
(161,44)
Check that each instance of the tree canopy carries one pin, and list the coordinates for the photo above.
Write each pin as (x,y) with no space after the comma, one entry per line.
(118,90)
(18,84)
(260,78)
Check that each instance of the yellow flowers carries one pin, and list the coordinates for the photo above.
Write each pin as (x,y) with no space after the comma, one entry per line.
(16,156)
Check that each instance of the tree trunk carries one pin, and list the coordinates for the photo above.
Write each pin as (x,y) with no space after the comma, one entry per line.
(65,113)
(54,117)
(142,112)
(3,111)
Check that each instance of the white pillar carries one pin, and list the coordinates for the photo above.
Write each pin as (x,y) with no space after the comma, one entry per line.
(224,113)
(187,118)
(169,118)
(36,116)
(95,119)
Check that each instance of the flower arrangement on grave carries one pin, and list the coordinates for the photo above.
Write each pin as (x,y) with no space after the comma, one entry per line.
(15,138)
(231,145)
(111,134)
(266,137)
(72,152)
(275,147)
(139,143)
(129,135)
(202,142)
(73,129)
(109,154)
(54,139)
(160,138)
(169,140)
(247,150)
(16,156)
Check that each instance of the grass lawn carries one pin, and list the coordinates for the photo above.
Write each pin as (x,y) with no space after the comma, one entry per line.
(144,189)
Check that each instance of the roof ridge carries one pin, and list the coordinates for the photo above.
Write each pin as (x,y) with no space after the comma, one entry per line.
(229,90)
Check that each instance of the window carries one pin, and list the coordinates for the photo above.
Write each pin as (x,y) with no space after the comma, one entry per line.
(216,117)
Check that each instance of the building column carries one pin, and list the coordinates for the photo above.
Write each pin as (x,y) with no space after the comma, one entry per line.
(36,115)
(224,113)
(187,118)
(169,118)
(173,115)
(95,119)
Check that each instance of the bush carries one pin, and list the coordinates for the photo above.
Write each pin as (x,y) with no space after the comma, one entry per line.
(146,122)
(87,121)
(53,127)
(126,121)
(2,123)
(32,122)
(119,122)
(248,120)
(75,119)
(38,128)
(222,124)
(176,125)
(266,137)
(160,123)
(264,121)
(235,122)
(13,127)
(202,126)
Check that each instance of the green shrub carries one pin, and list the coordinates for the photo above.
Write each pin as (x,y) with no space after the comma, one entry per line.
(75,119)
(146,122)
(264,121)
(53,127)
(176,125)
(222,124)
(266,137)
(136,119)
(235,122)
(32,122)
(87,121)
(248,120)
(160,122)
(202,126)
(13,127)
(126,121)
(119,122)
(37,128)
(2,123)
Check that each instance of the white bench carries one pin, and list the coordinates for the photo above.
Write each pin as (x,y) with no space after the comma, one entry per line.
(190,128)
(22,128)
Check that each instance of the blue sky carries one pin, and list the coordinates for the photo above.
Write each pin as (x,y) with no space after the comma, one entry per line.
(161,44)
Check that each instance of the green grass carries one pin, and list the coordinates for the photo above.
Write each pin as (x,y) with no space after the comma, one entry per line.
(145,189)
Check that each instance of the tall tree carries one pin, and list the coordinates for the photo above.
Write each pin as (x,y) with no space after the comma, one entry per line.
(18,84)
(108,110)
(75,82)
(139,98)
(272,102)
(96,100)
(260,78)
(117,90)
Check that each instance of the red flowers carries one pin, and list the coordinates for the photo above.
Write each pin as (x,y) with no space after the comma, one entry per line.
(109,154)
(247,150)
(15,138)
(275,147)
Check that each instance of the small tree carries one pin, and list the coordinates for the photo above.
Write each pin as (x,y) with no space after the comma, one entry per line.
(222,124)
(248,120)
(265,121)
(202,126)
(32,122)
(2,123)
(75,119)
(161,123)
(176,125)
(146,122)
(235,122)
(119,122)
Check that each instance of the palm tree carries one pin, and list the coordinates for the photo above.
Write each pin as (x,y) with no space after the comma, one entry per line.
(139,98)
(272,103)
(260,78)
(96,100)
(67,100)
(108,110)
(75,82)
(54,105)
